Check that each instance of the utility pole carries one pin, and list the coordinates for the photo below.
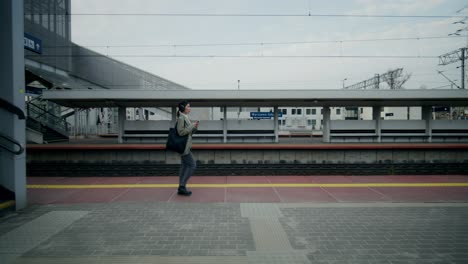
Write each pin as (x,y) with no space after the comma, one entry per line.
(454,56)
(463,67)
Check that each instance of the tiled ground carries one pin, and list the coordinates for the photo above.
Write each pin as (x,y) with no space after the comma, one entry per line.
(305,233)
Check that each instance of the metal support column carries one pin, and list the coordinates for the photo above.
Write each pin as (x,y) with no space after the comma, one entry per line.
(122,119)
(326,124)
(427,116)
(275,109)
(225,124)
(378,123)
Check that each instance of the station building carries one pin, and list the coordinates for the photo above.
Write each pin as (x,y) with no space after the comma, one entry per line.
(53,61)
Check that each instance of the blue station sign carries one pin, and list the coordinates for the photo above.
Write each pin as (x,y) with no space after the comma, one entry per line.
(32,43)
(264,115)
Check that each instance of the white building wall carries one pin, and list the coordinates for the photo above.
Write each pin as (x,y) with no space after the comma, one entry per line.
(392,113)
(200,113)
(307,118)
(293,118)
(148,113)
(401,113)
(365,113)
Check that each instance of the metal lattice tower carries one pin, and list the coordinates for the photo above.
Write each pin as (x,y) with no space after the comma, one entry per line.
(454,56)
(374,83)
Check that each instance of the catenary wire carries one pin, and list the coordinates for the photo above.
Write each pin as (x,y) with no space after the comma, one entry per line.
(257,43)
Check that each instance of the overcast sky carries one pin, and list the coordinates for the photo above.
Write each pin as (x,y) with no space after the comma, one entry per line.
(275,73)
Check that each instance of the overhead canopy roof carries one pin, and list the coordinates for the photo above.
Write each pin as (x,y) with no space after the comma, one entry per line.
(256,98)
(60,81)
(56,77)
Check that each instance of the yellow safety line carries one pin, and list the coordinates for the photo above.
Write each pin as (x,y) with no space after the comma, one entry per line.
(246,185)
(7,204)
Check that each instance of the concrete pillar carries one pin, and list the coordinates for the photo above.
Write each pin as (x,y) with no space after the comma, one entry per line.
(378,123)
(173,115)
(12,167)
(275,109)
(141,114)
(86,133)
(225,124)
(122,118)
(75,128)
(427,115)
(326,124)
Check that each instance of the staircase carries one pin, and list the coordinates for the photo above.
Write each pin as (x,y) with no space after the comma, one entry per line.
(52,127)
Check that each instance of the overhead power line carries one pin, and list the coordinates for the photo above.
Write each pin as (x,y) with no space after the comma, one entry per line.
(251,15)
(443,86)
(241,56)
(257,43)
(452,82)
(461,9)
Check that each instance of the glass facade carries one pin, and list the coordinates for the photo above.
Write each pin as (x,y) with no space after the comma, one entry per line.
(50,14)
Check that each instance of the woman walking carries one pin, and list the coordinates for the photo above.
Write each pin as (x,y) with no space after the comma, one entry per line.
(187,164)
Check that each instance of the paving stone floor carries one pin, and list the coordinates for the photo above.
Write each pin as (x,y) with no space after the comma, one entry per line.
(157,232)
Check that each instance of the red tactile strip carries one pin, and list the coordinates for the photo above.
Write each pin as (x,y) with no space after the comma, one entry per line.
(250,194)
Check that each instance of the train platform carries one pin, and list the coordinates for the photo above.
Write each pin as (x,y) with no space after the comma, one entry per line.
(240,219)
(247,189)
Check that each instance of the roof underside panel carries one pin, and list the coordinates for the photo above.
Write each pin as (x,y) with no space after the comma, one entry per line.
(256,98)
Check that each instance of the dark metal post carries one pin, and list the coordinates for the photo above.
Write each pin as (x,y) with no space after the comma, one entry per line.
(463,67)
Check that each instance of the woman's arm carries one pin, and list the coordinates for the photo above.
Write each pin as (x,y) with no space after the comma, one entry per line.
(182,129)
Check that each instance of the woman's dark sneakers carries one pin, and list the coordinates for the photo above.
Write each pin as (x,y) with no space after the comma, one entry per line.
(183,191)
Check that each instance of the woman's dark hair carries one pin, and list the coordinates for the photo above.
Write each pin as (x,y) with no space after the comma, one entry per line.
(182,106)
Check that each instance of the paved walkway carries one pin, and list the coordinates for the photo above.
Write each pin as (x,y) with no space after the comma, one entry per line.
(306,233)
(306,220)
